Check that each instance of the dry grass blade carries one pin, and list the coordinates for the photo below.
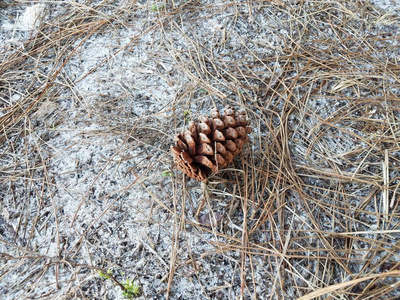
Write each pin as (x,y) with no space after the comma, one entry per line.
(343,285)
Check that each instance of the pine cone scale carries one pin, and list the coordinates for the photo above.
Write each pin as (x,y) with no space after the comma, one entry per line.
(203,138)
(218,136)
(230,133)
(204,149)
(220,148)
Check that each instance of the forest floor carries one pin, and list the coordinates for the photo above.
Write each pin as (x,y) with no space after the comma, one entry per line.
(91,96)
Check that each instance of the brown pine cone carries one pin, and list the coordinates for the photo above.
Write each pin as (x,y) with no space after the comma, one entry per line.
(211,144)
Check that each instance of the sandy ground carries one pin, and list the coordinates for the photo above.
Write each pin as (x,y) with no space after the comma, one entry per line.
(88,184)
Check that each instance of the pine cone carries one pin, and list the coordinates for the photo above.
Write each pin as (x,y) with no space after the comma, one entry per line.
(211,144)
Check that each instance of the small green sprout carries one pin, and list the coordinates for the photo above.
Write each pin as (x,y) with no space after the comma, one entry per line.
(167,174)
(105,275)
(131,289)
(156,7)
(186,115)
